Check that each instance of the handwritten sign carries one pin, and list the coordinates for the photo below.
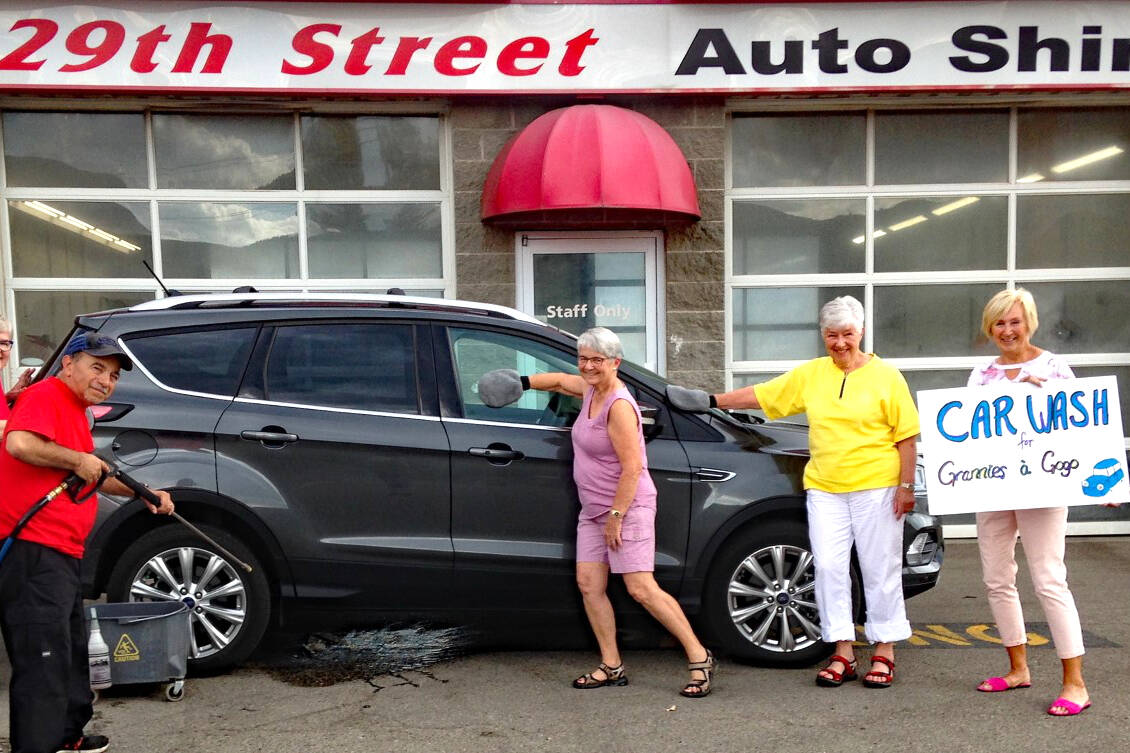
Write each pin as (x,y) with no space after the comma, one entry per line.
(1016,446)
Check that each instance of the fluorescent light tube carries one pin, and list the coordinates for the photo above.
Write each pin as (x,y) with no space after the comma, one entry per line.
(947,208)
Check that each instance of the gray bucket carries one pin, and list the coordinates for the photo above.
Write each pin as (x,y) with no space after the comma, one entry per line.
(148,640)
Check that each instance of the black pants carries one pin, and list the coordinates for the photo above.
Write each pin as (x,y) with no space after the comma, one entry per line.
(41,616)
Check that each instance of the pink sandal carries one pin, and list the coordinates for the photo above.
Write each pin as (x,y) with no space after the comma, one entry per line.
(1070,707)
(999,685)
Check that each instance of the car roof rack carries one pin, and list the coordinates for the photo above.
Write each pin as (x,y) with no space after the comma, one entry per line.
(374,300)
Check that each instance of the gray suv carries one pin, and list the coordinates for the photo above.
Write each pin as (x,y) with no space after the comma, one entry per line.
(338,445)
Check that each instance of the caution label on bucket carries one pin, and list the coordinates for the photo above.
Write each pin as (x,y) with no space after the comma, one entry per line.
(126,650)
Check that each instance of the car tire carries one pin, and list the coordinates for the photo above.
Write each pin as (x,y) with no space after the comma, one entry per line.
(225,628)
(758,607)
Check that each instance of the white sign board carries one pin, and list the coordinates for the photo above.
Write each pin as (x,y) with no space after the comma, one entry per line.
(348,49)
(1015,446)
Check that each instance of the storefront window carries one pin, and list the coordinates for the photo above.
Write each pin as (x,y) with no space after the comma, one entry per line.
(1072,230)
(797,236)
(79,238)
(238,152)
(941,147)
(914,321)
(1073,144)
(920,233)
(799,150)
(70,149)
(371,152)
(374,240)
(1084,317)
(781,323)
(227,240)
(44,318)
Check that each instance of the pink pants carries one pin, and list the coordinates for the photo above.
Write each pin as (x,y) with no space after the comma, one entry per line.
(1042,530)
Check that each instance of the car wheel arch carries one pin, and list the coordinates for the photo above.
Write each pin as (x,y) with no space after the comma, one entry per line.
(199,507)
(767,510)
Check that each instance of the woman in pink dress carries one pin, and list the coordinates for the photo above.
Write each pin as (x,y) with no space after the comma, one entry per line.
(616,526)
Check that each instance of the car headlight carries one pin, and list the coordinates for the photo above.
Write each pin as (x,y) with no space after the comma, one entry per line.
(921,551)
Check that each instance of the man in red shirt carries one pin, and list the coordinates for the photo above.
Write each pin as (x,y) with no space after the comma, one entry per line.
(47,438)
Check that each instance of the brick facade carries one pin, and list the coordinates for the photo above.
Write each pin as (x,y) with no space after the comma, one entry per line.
(694,263)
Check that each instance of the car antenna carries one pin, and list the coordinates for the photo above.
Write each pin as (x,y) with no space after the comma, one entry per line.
(168,293)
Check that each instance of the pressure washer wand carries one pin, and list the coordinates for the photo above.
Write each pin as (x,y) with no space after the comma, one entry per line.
(145,493)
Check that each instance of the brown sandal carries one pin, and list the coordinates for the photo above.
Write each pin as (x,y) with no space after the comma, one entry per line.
(612,676)
(885,678)
(700,688)
(837,679)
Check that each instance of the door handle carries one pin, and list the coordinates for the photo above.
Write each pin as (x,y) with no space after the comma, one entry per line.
(269,437)
(497,454)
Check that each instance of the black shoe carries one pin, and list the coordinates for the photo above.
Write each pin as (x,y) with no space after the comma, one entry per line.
(87,744)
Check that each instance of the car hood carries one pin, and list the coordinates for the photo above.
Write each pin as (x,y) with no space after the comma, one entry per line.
(771,437)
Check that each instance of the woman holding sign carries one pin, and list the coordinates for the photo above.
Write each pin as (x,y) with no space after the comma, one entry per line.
(1010,320)
(859,481)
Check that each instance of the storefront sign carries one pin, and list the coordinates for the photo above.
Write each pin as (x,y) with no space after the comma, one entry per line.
(350,48)
(1018,447)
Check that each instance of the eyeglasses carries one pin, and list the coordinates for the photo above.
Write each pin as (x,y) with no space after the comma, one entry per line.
(7,344)
(596,361)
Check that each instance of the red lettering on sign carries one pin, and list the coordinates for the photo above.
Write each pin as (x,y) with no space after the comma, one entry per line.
(574,48)
(355,64)
(320,53)
(78,43)
(461,47)
(17,59)
(526,48)
(147,43)
(219,46)
(407,47)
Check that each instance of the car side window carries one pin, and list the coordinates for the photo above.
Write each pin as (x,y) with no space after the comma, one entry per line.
(478,351)
(361,366)
(210,361)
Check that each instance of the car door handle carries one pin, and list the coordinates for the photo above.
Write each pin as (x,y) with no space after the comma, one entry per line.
(497,453)
(271,437)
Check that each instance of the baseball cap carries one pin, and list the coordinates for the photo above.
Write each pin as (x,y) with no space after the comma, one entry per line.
(97,345)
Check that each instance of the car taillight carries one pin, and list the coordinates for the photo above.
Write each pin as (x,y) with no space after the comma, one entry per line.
(106,412)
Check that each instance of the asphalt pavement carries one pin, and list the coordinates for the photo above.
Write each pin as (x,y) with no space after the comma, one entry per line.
(522,700)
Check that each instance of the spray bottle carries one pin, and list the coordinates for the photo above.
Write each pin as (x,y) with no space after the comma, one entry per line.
(99,654)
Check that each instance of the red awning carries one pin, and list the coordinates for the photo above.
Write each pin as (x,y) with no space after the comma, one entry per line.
(590,157)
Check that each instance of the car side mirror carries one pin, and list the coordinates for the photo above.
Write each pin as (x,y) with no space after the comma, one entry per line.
(649,420)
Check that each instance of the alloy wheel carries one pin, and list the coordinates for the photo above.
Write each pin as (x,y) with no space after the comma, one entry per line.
(213,590)
(771,599)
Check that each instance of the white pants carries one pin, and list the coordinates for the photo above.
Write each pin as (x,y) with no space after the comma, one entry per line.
(867,519)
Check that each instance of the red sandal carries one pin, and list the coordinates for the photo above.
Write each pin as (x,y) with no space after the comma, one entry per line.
(885,678)
(837,679)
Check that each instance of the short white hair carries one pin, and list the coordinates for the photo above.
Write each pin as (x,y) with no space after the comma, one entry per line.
(603,340)
(841,312)
(5,325)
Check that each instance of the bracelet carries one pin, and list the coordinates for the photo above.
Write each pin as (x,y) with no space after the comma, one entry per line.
(525,382)
(713,402)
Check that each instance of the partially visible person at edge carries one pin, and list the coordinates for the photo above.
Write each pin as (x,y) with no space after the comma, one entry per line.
(616,527)
(1009,321)
(46,439)
(859,481)
(6,344)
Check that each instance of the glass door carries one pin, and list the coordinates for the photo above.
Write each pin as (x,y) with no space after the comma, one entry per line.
(579,280)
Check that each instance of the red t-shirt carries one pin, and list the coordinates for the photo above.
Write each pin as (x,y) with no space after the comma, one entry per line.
(3,403)
(50,409)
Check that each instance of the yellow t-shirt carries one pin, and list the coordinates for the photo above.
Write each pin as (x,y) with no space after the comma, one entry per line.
(854,421)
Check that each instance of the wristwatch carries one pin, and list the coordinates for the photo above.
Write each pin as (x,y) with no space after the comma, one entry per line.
(907,485)
(617,514)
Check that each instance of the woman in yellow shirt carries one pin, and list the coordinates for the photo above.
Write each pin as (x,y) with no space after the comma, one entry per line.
(859,481)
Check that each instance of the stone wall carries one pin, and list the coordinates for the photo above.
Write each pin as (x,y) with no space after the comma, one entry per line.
(694,264)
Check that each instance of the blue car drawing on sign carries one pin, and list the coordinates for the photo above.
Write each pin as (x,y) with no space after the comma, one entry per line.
(1106,474)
